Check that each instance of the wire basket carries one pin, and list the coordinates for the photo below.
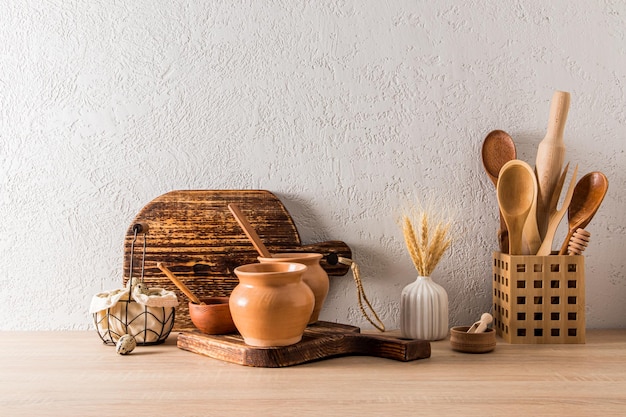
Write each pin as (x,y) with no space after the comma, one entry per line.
(149,325)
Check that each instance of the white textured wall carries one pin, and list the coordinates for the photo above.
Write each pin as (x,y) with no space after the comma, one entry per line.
(345,109)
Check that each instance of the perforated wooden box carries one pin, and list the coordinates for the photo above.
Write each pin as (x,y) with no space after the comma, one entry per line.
(539,299)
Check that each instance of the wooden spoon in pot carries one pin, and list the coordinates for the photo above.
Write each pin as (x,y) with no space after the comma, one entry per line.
(498,149)
(517,193)
(586,201)
(249,231)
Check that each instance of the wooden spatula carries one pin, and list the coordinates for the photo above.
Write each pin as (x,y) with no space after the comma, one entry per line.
(556,216)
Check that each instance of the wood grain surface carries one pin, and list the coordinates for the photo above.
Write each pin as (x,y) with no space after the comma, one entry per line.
(321,340)
(194,234)
(550,158)
(73,374)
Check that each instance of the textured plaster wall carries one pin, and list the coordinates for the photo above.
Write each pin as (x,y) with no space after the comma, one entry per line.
(347,110)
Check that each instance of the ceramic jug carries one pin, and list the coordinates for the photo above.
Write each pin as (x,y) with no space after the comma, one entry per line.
(271,305)
(314,276)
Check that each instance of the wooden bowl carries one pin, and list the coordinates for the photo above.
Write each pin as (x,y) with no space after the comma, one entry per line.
(462,341)
(212,317)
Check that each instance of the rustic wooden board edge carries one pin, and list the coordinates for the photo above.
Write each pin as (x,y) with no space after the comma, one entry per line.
(332,249)
(320,341)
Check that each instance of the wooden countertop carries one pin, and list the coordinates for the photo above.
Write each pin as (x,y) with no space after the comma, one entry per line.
(74,374)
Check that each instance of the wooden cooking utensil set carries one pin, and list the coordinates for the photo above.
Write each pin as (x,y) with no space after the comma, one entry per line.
(528,198)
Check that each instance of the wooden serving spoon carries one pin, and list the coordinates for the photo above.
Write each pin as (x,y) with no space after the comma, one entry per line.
(498,149)
(586,201)
(517,193)
(249,231)
(531,241)
(179,283)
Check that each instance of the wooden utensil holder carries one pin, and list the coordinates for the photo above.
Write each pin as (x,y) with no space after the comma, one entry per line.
(539,299)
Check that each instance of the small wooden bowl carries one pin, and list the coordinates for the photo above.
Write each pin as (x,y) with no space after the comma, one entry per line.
(212,317)
(462,341)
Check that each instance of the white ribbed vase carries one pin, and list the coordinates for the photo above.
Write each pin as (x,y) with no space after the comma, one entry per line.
(424,310)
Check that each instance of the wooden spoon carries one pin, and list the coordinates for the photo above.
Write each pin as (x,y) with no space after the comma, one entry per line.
(249,231)
(498,149)
(586,201)
(179,283)
(531,241)
(517,192)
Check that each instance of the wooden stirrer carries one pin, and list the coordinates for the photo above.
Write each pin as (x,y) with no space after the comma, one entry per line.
(249,231)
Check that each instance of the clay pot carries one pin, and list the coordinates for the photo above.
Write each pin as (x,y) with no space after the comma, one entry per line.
(462,341)
(314,276)
(212,317)
(271,305)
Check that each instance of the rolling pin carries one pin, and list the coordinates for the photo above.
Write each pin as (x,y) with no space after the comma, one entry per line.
(550,156)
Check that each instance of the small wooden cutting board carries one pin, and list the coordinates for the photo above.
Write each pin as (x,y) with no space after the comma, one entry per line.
(321,340)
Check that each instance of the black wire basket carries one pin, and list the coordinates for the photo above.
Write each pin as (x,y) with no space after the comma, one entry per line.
(149,325)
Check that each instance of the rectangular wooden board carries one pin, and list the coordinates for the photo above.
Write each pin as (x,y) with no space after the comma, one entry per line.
(320,340)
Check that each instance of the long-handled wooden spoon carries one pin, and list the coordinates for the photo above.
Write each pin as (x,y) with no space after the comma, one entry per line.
(498,149)
(531,241)
(517,192)
(179,284)
(556,217)
(586,201)
(249,231)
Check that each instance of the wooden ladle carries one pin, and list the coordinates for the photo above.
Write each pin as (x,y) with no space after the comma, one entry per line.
(249,231)
(179,283)
(517,193)
(498,149)
(586,201)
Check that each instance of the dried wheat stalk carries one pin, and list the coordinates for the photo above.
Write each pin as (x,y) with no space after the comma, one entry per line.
(425,250)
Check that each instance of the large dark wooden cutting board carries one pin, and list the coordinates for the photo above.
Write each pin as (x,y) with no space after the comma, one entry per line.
(320,340)
(196,236)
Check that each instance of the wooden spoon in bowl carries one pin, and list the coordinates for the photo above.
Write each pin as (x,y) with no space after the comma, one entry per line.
(517,193)
(179,283)
(586,201)
(498,149)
